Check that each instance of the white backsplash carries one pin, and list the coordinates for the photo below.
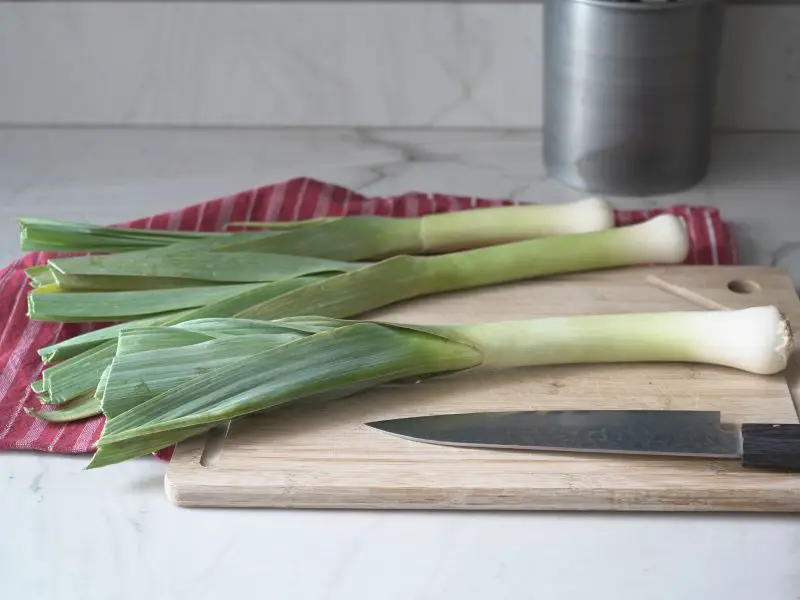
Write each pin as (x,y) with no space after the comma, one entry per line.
(333,64)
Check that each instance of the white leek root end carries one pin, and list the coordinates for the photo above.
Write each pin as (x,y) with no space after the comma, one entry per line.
(590,214)
(662,239)
(757,339)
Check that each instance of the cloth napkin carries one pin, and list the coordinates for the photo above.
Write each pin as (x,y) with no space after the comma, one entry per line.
(711,238)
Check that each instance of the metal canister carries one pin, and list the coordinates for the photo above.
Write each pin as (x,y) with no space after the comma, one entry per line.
(630,92)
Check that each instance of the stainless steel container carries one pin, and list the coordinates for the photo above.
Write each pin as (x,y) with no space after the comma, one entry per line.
(629,93)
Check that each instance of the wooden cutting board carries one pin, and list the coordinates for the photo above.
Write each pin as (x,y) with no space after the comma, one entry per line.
(323,456)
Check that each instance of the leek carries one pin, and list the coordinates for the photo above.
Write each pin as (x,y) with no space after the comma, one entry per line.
(345,238)
(343,356)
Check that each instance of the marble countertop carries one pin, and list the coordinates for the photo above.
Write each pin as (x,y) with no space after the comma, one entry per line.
(112,533)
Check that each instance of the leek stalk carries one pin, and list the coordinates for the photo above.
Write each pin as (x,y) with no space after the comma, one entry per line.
(343,356)
(351,238)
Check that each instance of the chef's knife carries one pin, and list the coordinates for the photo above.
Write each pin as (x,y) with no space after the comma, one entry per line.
(662,432)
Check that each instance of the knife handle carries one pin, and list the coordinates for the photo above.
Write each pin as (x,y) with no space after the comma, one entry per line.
(771,446)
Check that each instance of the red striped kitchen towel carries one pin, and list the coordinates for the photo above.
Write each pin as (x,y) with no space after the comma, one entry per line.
(712,242)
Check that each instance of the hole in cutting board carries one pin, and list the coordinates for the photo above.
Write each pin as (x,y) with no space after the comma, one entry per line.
(743,286)
(215,441)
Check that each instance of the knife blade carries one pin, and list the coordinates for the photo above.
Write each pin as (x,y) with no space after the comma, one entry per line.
(699,434)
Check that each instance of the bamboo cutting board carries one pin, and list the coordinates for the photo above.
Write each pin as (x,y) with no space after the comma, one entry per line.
(323,456)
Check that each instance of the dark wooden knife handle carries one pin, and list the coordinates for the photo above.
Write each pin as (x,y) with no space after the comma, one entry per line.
(771,446)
